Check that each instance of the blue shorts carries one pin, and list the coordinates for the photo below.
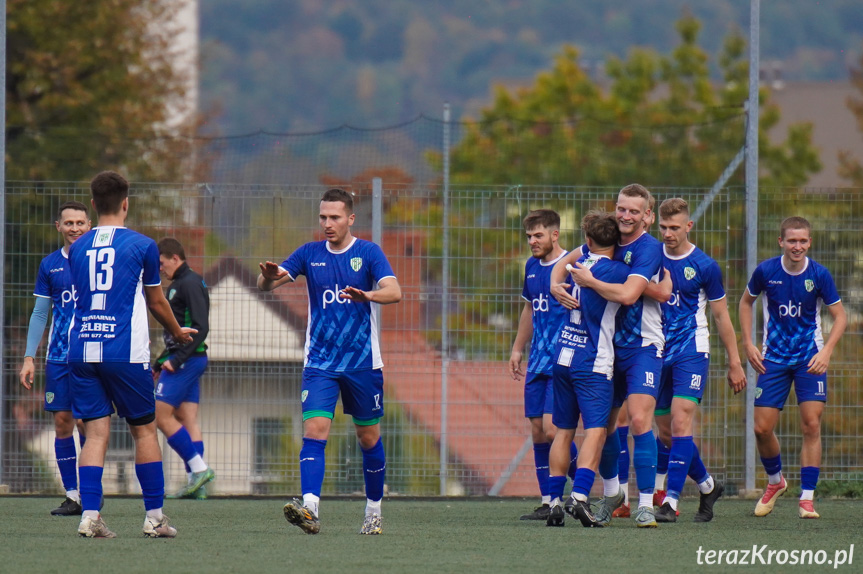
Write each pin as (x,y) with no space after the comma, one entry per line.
(585,393)
(58,391)
(538,395)
(98,387)
(362,394)
(684,378)
(775,385)
(636,372)
(184,385)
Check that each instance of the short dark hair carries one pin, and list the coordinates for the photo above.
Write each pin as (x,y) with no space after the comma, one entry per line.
(337,194)
(547,218)
(601,228)
(76,205)
(638,190)
(794,222)
(672,206)
(168,246)
(109,189)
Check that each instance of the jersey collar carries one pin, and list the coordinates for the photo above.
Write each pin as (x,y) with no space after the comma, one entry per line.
(334,252)
(805,266)
(679,257)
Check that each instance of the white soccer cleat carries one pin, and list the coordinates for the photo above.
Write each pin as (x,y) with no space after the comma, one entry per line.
(94,528)
(158,528)
(371,524)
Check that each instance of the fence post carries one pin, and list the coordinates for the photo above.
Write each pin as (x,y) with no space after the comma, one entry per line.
(2,234)
(444,320)
(752,222)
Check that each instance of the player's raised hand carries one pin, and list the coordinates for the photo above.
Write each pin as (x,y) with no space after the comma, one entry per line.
(354,294)
(28,370)
(272,271)
(560,291)
(753,355)
(515,366)
(736,378)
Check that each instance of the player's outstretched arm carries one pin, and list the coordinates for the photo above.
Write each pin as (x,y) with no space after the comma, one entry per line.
(660,291)
(819,363)
(272,276)
(736,375)
(522,336)
(389,291)
(161,310)
(753,354)
(624,293)
(559,286)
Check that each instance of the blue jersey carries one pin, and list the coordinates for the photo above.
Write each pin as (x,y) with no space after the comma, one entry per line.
(55,282)
(586,337)
(110,267)
(342,335)
(548,314)
(640,324)
(696,279)
(792,308)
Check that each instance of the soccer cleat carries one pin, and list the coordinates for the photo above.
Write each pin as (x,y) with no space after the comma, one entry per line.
(706,502)
(555,516)
(158,529)
(606,506)
(569,506)
(94,528)
(302,517)
(665,514)
(371,524)
(768,499)
(644,517)
(201,493)
(197,480)
(807,510)
(581,510)
(68,507)
(622,511)
(539,513)
(659,497)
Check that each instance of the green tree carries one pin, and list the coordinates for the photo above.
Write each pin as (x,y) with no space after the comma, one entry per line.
(850,168)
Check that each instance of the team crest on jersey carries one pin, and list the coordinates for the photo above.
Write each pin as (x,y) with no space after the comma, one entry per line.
(303,396)
(103,238)
(689,273)
(357,263)
(758,393)
(171,294)
(810,285)
(628,257)
(49,398)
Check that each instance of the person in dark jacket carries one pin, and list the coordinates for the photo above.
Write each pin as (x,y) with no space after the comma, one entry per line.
(179,368)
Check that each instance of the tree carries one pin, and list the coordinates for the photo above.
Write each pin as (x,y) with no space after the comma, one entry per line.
(850,168)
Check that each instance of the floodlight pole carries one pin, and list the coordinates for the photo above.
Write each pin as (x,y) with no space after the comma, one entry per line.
(444,319)
(752,222)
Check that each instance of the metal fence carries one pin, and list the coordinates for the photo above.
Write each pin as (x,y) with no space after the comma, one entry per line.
(454,422)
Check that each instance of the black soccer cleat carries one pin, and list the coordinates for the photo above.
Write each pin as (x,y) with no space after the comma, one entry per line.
(539,513)
(581,510)
(69,507)
(555,516)
(665,513)
(706,502)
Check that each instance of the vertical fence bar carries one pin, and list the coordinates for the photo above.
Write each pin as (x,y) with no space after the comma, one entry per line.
(444,320)
(3,233)
(752,220)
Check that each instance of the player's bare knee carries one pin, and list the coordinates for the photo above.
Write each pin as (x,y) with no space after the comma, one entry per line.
(811,428)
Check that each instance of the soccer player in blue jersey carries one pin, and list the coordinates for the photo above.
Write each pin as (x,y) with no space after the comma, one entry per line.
(116,273)
(55,292)
(347,280)
(539,323)
(584,368)
(697,282)
(638,345)
(179,369)
(795,287)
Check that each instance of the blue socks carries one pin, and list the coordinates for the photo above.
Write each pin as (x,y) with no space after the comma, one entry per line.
(374,470)
(680,461)
(182,444)
(697,471)
(583,481)
(623,457)
(312,466)
(573,459)
(809,477)
(91,487)
(152,480)
(772,465)
(199,446)
(540,461)
(662,455)
(67,461)
(608,467)
(644,460)
(555,486)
